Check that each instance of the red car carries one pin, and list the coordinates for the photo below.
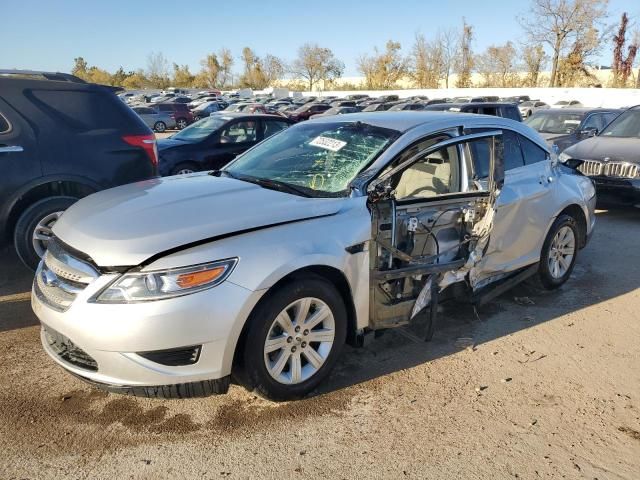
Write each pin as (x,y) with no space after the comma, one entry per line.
(305,111)
(180,112)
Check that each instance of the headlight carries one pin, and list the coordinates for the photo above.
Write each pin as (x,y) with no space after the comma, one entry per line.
(161,284)
(563,157)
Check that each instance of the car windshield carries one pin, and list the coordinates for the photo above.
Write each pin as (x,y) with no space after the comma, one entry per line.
(201,129)
(626,125)
(562,102)
(320,159)
(526,104)
(555,122)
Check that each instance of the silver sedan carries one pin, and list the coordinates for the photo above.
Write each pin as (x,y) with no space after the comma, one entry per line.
(321,234)
(156,120)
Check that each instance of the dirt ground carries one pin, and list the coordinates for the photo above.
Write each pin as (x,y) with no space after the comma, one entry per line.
(535,385)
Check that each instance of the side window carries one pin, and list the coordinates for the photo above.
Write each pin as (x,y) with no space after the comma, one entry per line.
(532,152)
(593,121)
(271,127)
(511,153)
(609,117)
(507,148)
(4,124)
(437,173)
(239,132)
(489,111)
(511,113)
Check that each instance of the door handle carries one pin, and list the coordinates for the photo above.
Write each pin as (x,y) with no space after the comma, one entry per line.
(11,149)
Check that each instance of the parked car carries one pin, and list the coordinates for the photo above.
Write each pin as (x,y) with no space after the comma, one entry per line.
(566,127)
(407,106)
(343,103)
(200,100)
(611,158)
(336,111)
(529,107)
(471,99)
(380,99)
(181,111)
(437,100)
(308,109)
(567,104)
(378,107)
(519,99)
(60,140)
(357,97)
(155,120)
(214,141)
(206,109)
(185,100)
(506,110)
(326,232)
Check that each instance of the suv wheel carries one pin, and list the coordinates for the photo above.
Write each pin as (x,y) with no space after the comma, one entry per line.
(559,253)
(181,123)
(160,127)
(184,169)
(33,229)
(294,339)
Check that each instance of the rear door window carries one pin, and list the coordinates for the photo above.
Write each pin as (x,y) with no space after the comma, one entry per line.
(272,127)
(512,113)
(507,148)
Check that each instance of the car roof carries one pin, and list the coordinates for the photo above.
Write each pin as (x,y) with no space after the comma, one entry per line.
(584,110)
(249,116)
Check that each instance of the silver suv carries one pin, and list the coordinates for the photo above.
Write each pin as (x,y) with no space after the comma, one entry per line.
(326,231)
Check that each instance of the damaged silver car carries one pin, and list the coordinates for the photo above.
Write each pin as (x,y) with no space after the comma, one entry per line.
(325,232)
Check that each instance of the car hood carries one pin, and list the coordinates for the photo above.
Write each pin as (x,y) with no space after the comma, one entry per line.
(124,226)
(599,147)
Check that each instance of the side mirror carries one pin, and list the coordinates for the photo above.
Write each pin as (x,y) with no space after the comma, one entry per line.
(589,132)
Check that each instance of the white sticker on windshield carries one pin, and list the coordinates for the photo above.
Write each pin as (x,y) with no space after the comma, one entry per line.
(327,143)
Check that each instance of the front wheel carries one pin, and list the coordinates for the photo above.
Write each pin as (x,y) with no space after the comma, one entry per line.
(294,339)
(559,253)
(160,127)
(33,229)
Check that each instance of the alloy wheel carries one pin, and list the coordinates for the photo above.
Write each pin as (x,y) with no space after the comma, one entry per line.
(42,233)
(299,341)
(181,124)
(563,248)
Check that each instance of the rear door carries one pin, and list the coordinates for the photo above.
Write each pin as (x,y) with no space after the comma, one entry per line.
(19,158)
(234,138)
(428,218)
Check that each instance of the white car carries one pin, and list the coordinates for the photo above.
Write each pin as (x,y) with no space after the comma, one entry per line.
(567,104)
(528,108)
(321,234)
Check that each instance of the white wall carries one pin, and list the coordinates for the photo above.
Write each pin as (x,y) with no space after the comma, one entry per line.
(590,97)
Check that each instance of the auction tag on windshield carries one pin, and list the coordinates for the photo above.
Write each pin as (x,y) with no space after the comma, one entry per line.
(328,143)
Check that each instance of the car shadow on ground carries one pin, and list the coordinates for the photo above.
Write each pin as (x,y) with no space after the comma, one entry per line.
(606,269)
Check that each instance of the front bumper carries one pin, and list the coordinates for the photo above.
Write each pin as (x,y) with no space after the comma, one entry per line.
(114,336)
(618,188)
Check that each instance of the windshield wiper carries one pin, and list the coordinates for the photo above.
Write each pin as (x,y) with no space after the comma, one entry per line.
(263,182)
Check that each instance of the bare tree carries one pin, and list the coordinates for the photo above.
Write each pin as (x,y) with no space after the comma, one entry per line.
(447,41)
(559,23)
(314,64)
(382,70)
(226,64)
(158,70)
(534,59)
(273,69)
(182,76)
(498,66)
(425,63)
(209,76)
(623,67)
(464,58)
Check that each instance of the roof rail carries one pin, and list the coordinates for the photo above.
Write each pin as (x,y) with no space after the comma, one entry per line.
(61,77)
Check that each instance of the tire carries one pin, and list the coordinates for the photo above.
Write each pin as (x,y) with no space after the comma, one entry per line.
(287,299)
(42,214)
(184,168)
(181,123)
(562,237)
(160,127)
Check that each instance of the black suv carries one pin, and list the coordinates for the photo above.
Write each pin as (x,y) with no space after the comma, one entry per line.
(60,140)
(497,109)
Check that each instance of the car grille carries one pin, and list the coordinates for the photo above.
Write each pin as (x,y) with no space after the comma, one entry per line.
(596,168)
(61,277)
(67,351)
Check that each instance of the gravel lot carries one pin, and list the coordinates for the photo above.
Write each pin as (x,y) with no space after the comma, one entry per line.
(535,385)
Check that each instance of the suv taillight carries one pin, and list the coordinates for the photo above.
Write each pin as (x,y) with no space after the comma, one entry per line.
(147,143)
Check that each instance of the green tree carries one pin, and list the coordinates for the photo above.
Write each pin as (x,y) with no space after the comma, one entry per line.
(80,68)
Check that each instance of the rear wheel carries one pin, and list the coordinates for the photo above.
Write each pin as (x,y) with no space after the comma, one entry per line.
(294,339)
(559,253)
(33,229)
(181,123)
(160,127)
(184,168)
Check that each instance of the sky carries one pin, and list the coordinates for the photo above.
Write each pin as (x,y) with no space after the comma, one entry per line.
(49,34)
